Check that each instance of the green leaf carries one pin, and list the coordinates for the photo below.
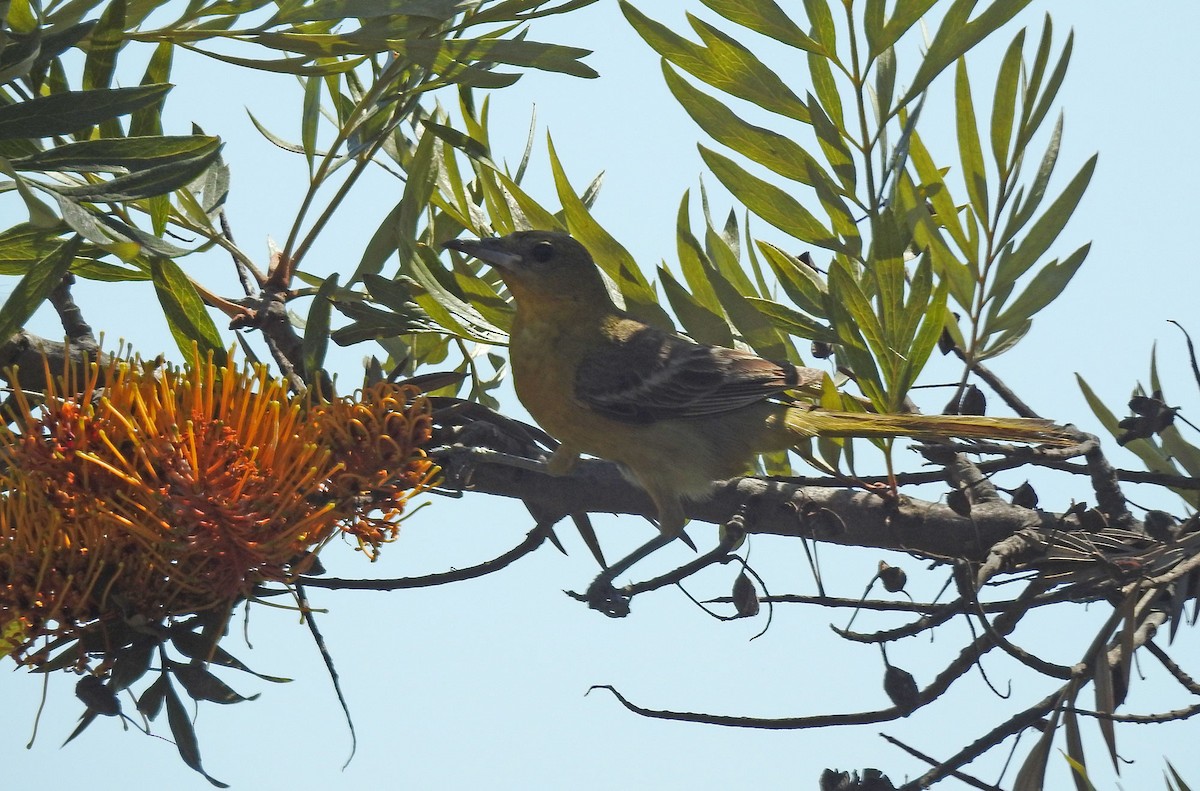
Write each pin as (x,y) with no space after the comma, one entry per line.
(1043,232)
(445,307)
(1024,208)
(938,193)
(723,64)
(64,113)
(338,10)
(970,150)
(184,310)
(770,202)
(693,260)
(793,322)
(1005,100)
(1032,774)
(441,55)
(763,146)
(823,30)
(925,341)
(906,14)
(119,154)
(800,281)
(316,327)
(611,257)
(103,45)
(155,180)
(1030,124)
(956,35)
(148,120)
(858,329)
(184,735)
(201,684)
(837,153)
(32,289)
(310,117)
(509,10)
(825,88)
(40,214)
(755,328)
(1044,288)
(767,18)
(698,321)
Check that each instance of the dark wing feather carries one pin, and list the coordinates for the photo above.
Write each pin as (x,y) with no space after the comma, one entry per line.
(651,375)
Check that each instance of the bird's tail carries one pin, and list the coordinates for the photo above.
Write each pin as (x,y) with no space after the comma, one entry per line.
(815,422)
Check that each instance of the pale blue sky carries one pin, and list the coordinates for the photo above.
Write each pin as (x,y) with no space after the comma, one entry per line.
(481,684)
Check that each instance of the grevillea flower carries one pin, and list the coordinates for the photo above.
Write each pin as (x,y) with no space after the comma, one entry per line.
(146,493)
(377,434)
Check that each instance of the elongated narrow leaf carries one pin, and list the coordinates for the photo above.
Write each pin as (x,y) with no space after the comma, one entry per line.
(184,735)
(823,30)
(770,202)
(763,146)
(799,280)
(826,89)
(187,318)
(793,322)
(310,118)
(447,308)
(835,149)
(755,328)
(1026,206)
(1030,125)
(1075,753)
(1044,288)
(301,65)
(1004,101)
(723,64)
(969,147)
(118,154)
(155,180)
(1045,230)
(767,18)
(698,321)
(905,14)
(63,113)
(439,10)
(693,260)
(956,35)
(32,289)
(1032,774)
(1102,681)
(614,259)
(316,327)
(148,120)
(858,330)
(937,193)
(925,341)
(103,45)
(515,52)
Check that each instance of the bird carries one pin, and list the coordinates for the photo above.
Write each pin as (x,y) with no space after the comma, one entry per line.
(675,415)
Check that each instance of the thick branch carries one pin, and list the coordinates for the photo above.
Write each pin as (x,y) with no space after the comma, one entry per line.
(836,515)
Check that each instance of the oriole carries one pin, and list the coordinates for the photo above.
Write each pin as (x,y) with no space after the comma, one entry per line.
(676,415)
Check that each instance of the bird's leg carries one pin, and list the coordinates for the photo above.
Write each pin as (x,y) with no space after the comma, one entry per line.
(601,595)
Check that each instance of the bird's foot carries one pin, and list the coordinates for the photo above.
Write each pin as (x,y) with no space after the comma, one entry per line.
(602,596)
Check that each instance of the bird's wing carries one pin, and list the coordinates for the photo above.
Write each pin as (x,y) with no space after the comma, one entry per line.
(643,374)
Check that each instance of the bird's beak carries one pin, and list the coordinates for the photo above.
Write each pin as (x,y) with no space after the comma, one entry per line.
(490,251)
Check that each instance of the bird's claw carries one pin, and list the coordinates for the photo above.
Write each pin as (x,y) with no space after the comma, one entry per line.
(602,596)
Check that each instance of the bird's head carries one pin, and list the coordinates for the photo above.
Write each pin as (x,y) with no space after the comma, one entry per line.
(540,267)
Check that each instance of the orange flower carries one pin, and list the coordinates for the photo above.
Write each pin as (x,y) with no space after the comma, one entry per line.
(377,434)
(144,494)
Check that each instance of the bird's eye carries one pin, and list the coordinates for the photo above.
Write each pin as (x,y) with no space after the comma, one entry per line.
(542,252)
